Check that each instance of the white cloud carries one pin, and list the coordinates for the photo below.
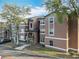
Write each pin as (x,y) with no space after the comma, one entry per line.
(37,11)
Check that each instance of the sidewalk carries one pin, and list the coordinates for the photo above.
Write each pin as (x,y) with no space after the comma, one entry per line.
(25,55)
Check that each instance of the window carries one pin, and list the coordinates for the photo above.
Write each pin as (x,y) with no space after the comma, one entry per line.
(26,34)
(42,38)
(22,30)
(21,37)
(51,26)
(42,31)
(31,25)
(51,43)
(42,21)
(51,31)
(42,27)
(51,20)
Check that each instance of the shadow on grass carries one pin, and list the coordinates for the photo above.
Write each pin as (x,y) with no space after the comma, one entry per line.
(49,52)
(63,55)
(67,56)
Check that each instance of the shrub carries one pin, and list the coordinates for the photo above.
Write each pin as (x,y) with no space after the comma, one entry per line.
(71,52)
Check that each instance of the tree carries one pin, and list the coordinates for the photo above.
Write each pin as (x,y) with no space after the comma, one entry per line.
(2,27)
(61,9)
(15,15)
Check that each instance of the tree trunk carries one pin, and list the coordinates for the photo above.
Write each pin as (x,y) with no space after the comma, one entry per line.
(17,34)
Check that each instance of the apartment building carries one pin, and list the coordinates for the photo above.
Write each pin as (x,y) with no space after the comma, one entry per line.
(61,36)
(23,31)
(56,33)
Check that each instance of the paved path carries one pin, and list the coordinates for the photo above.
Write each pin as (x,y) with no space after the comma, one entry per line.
(8,53)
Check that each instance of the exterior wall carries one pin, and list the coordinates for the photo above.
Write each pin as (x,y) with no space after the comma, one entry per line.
(35,29)
(30,23)
(34,23)
(35,37)
(73,33)
(59,29)
(59,38)
(59,44)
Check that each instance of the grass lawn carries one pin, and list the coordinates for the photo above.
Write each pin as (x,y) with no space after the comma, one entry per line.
(48,51)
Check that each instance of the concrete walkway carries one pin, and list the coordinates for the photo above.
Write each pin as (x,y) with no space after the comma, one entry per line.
(10,54)
(22,47)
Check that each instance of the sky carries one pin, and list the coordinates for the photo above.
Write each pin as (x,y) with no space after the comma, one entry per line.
(36,5)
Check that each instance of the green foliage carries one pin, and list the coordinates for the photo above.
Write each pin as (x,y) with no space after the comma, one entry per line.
(60,17)
(53,4)
(72,52)
(61,10)
(14,15)
(2,25)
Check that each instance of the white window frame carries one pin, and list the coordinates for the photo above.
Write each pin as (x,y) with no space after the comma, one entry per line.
(53,30)
(21,36)
(41,22)
(41,38)
(41,25)
(22,30)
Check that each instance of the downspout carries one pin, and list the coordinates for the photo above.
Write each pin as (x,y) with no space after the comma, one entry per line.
(78,34)
(67,35)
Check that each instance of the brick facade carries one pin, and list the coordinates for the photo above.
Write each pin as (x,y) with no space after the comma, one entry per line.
(61,36)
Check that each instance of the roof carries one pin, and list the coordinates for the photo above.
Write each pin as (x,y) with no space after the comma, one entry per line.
(36,18)
(49,13)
